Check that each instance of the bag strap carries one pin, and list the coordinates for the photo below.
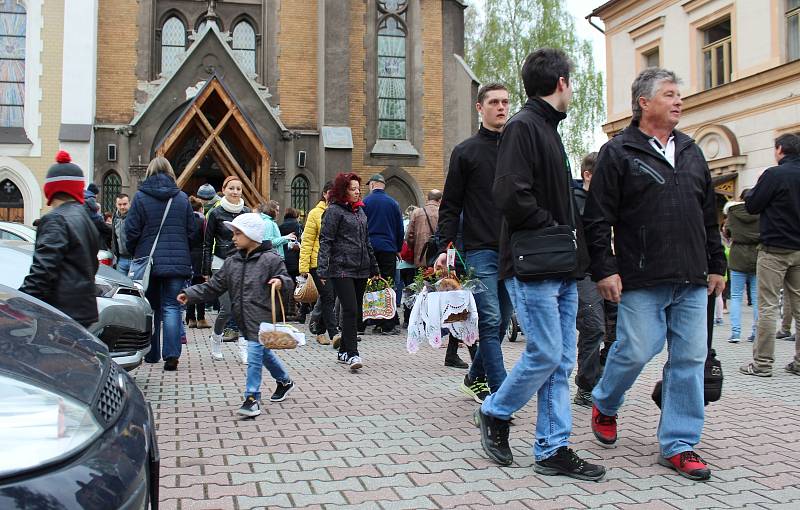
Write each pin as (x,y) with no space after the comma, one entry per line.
(280,300)
(163,218)
(451,245)
(428,219)
(570,196)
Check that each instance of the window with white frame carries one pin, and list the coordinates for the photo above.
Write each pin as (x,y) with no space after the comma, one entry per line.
(717,58)
(792,29)
(12,63)
(392,35)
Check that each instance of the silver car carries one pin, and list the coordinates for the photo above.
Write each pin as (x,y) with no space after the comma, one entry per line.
(125,318)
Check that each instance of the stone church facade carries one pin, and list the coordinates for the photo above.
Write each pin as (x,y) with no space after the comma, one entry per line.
(283,93)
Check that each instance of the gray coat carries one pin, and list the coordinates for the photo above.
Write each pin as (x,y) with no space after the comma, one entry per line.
(245,277)
(344,247)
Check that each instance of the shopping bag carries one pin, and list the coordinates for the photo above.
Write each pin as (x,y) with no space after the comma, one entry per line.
(381,303)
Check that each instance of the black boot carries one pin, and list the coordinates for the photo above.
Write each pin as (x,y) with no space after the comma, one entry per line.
(451,359)
(473,350)
(494,437)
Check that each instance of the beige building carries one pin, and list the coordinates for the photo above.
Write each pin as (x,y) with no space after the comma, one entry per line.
(738,60)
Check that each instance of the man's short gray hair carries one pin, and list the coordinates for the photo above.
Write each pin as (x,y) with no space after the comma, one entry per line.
(647,84)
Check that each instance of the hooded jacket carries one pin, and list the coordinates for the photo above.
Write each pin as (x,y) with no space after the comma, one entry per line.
(309,246)
(171,258)
(344,247)
(664,218)
(292,255)
(743,232)
(245,278)
(65,262)
(219,238)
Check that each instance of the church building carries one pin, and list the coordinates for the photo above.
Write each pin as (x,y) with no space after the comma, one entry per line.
(281,93)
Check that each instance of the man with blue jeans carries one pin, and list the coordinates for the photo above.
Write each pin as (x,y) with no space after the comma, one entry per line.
(532,189)
(652,188)
(469,178)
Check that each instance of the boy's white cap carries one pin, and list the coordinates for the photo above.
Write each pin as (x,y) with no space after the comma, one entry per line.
(250,224)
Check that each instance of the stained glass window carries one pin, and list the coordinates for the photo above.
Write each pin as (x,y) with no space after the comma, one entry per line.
(300,193)
(112,186)
(244,46)
(12,63)
(392,73)
(173,45)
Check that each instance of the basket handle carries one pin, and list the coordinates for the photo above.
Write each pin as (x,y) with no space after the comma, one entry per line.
(280,300)
(384,280)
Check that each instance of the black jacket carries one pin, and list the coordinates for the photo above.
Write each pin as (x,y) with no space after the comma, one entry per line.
(245,278)
(196,244)
(344,247)
(533,184)
(219,238)
(292,257)
(664,218)
(65,262)
(776,197)
(466,189)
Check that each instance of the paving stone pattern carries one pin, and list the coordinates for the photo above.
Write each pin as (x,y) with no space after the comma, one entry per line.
(399,435)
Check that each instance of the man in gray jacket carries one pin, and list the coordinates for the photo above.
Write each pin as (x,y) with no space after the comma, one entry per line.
(118,245)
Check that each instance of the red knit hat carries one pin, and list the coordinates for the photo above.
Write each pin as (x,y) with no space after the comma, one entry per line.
(64,177)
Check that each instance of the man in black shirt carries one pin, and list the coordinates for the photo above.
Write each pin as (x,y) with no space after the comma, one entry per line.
(467,190)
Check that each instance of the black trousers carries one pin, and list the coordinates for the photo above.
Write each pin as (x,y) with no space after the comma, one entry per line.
(327,299)
(591,332)
(387,266)
(350,292)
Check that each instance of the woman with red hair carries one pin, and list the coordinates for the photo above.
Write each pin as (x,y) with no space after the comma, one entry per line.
(346,258)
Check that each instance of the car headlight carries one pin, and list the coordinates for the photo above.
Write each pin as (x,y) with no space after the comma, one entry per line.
(38,426)
(105,289)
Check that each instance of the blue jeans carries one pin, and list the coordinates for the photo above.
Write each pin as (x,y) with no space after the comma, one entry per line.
(123,265)
(738,286)
(258,356)
(494,313)
(162,294)
(546,311)
(646,318)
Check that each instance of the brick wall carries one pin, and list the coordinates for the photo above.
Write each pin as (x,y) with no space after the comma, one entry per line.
(297,62)
(117,36)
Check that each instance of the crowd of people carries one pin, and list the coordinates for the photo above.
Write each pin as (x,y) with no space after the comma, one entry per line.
(602,271)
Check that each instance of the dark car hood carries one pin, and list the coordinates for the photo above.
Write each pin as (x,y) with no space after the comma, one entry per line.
(42,346)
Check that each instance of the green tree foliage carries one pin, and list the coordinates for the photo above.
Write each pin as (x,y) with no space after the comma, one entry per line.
(504,32)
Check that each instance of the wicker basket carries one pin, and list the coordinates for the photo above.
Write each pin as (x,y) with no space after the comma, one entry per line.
(308,293)
(277,339)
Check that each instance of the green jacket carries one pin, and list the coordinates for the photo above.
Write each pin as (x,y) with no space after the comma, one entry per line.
(744,234)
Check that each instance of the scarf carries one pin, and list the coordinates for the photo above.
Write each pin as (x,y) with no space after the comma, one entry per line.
(355,205)
(231,208)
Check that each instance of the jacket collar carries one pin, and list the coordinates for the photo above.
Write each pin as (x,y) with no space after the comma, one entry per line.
(322,205)
(545,109)
(633,137)
(789,159)
(265,247)
(488,133)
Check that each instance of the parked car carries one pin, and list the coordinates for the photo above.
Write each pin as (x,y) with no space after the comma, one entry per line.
(19,232)
(75,430)
(125,318)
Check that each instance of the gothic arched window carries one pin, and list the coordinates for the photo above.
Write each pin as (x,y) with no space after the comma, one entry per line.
(173,45)
(12,63)
(392,34)
(244,46)
(300,196)
(112,186)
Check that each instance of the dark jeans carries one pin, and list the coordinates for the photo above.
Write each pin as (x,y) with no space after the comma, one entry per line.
(350,292)
(610,313)
(327,299)
(591,331)
(162,294)
(196,311)
(387,265)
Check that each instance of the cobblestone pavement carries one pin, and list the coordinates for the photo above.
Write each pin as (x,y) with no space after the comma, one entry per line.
(399,435)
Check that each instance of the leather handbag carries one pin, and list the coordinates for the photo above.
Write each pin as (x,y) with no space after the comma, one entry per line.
(141,267)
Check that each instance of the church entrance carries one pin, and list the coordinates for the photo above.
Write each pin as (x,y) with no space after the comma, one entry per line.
(213,139)
(12,205)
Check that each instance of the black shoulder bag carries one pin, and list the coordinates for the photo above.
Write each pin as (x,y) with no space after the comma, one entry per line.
(430,250)
(549,252)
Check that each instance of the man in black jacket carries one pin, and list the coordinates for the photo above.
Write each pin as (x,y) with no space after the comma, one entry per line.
(652,187)
(776,198)
(469,178)
(532,191)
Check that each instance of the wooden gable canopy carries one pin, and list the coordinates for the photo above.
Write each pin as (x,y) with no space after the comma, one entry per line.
(215,117)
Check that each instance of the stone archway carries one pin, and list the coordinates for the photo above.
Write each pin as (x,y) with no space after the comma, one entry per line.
(29,188)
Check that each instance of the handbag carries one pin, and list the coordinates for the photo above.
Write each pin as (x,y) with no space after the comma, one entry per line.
(430,250)
(307,292)
(406,253)
(712,381)
(278,337)
(379,304)
(549,252)
(141,267)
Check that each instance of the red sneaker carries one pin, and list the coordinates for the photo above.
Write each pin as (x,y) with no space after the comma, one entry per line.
(687,464)
(604,427)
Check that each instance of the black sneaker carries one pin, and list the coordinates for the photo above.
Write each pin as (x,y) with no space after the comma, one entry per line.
(477,390)
(494,437)
(377,330)
(583,398)
(783,334)
(566,462)
(281,391)
(250,407)
(342,358)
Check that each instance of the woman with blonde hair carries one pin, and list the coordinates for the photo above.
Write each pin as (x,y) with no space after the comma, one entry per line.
(161,210)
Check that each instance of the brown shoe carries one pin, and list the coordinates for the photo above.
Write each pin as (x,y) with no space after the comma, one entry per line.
(323,339)
(203,324)
(337,341)
(191,324)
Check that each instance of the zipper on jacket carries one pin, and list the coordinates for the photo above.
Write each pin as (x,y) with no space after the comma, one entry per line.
(643,246)
(241,298)
(647,169)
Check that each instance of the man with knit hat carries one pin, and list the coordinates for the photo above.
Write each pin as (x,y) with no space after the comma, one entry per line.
(65,255)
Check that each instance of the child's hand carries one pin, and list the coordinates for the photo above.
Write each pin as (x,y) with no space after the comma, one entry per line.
(276,282)
(182,298)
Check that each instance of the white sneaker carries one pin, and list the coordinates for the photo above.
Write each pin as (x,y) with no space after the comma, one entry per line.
(216,347)
(242,343)
(355,363)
